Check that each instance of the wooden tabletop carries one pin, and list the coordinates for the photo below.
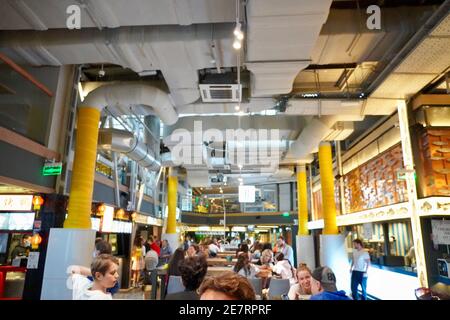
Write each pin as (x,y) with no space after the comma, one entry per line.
(220,262)
(215,271)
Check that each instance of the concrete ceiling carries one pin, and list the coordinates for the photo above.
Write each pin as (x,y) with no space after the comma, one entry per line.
(283,42)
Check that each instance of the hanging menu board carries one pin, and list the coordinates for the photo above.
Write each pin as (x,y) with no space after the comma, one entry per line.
(441,231)
(15,202)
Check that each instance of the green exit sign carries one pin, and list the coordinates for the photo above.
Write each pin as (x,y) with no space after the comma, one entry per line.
(52,169)
(285,214)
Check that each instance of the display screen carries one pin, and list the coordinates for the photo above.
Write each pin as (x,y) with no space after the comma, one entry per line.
(16,221)
(95,223)
(107,221)
(3,242)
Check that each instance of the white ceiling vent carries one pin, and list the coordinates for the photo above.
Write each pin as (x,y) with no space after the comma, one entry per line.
(340,131)
(221,92)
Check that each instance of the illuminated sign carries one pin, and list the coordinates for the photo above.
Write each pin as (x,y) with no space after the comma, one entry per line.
(16,202)
(107,220)
(17,221)
(95,224)
(247,194)
(52,169)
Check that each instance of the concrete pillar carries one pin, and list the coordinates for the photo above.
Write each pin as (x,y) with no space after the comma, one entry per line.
(65,247)
(332,245)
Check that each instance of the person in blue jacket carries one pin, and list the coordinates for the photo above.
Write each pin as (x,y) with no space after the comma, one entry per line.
(323,285)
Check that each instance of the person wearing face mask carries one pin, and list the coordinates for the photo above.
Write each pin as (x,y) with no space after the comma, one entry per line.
(22,248)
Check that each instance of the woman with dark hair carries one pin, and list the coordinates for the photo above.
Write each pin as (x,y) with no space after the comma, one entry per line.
(266,246)
(174,263)
(193,271)
(243,248)
(193,250)
(244,267)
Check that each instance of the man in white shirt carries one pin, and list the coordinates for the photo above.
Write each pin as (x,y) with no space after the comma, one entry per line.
(285,249)
(358,269)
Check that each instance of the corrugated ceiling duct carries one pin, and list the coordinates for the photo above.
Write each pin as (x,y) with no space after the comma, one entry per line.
(125,142)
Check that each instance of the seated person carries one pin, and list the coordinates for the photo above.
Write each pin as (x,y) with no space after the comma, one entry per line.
(284,269)
(227,286)
(22,249)
(302,289)
(193,271)
(323,285)
(103,271)
(244,267)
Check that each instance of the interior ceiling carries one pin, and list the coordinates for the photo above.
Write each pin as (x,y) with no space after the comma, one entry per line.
(4,188)
(295,52)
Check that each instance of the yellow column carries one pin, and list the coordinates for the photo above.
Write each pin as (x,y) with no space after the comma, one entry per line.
(327,183)
(302,199)
(82,182)
(172,186)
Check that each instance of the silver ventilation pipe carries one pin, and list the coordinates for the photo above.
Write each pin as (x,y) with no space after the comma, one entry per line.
(125,142)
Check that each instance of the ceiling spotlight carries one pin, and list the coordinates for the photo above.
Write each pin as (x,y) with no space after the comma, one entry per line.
(240,36)
(237,44)
(240,167)
(240,179)
(237,108)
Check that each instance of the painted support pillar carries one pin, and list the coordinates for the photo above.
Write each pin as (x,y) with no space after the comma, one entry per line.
(408,163)
(333,252)
(327,183)
(305,242)
(171,229)
(83,172)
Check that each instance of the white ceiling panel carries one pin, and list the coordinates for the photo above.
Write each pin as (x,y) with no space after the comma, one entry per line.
(431,56)
(443,30)
(51,14)
(403,85)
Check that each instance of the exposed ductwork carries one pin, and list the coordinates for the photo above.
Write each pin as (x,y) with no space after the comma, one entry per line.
(178,51)
(149,98)
(317,130)
(125,142)
(280,40)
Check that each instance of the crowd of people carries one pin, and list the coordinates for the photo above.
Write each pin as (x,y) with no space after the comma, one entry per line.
(190,262)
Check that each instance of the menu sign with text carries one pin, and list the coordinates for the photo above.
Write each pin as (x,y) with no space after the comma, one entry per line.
(441,231)
(16,202)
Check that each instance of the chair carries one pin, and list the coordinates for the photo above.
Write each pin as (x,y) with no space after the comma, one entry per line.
(278,287)
(257,285)
(175,285)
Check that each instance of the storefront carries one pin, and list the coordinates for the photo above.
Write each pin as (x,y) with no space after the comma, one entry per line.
(146,226)
(17,218)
